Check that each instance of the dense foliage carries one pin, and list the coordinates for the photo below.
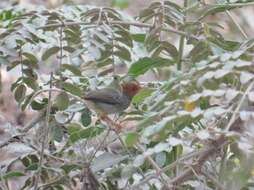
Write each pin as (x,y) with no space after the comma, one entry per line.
(192,129)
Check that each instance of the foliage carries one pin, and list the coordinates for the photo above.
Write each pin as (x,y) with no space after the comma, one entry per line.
(199,118)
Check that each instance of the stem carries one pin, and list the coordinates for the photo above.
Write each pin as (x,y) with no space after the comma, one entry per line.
(1,83)
(181,42)
(237,24)
(137,24)
(45,134)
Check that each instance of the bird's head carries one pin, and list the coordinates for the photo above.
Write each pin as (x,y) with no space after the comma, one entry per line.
(131,88)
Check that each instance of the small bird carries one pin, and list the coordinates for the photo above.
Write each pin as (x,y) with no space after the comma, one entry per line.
(113,99)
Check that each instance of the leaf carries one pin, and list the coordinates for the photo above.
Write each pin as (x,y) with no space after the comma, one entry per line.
(62,117)
(246,77)
(31,57)
(123,53)
(49,52)
(20,93)
(72,68)
(86,133)
(161,159)
(30,82)
(86,118)
(107,160)
(146,63)
(62,101)
(251,96)
(58,133)
(189,105)
(69,167)
(139,37)
(37,105)
(131,139)
(73,128)
(142,95)
(32,167)
(12,174)
(212,9)
(73,89)
(120,3)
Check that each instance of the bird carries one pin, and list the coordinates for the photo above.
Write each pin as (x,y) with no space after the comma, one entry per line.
(112,99)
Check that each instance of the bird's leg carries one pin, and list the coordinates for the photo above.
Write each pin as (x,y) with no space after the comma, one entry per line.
(110,122)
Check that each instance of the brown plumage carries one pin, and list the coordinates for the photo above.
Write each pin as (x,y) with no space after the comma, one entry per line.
(111,100)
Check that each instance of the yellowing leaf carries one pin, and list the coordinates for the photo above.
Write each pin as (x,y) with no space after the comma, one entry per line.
(189,106)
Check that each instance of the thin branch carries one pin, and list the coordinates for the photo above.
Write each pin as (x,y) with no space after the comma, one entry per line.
(130,154)
(138,24)
(181,42)
(236,111)
(207,152)
(45,134)
(33,122)
(237,24)
(100,145)
(159,171)
(168,167)
(214,180)
(55,90)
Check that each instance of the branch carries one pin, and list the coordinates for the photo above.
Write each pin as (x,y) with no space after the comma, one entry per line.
(207,152)
(138,24)
(45,135)
(233,117)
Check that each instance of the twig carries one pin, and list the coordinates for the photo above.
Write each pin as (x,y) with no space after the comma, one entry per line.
(55,90)
(130,154)
(159,171)
(214,180)
(45,135)
(100,145)
(33,122)
(138,24)
(207,152)
(236,111)
(237,24)
(181,42)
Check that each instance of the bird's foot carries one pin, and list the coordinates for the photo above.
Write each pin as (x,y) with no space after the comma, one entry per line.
(114,126)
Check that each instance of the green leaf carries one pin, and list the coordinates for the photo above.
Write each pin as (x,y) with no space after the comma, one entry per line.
(120,3)
(62,101)
(88,132)
(31,57)
(146,63)
(20,93)
(49,52)
(26,101)
(33,166)
(140,97)
(13,174)
(72,88)
(86,118)
(73,128)
(69,167)
(72,68)
(58,133)
(131,139)
(139,37)
(30,82)
(37,105)
(212,9)
(123,53)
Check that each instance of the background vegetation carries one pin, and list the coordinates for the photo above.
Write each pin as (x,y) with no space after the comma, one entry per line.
(190,127)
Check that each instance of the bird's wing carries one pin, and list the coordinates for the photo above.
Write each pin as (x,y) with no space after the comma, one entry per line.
(105,95)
